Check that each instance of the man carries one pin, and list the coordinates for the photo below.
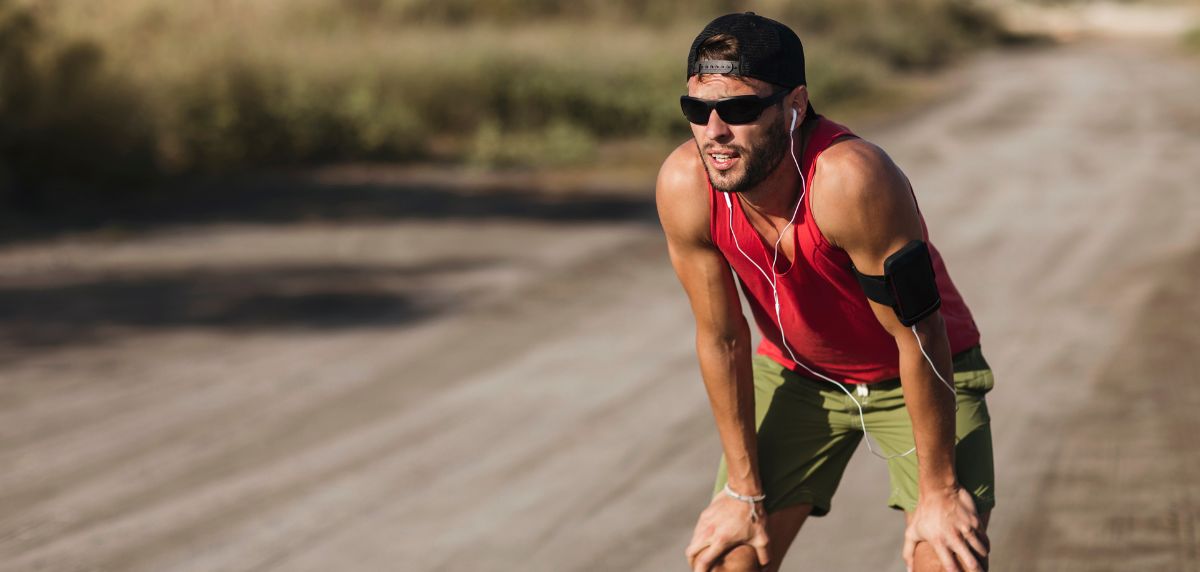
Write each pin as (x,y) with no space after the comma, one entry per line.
(861,324)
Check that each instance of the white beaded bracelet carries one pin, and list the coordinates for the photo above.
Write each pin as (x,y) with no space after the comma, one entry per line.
(751,500)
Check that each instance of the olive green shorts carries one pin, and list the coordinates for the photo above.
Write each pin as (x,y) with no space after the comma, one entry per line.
(808,429)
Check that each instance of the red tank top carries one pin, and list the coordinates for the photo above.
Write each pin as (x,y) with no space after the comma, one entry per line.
(826,317)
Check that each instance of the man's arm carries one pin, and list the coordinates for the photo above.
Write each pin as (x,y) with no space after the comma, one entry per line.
(862,203)
(723,348)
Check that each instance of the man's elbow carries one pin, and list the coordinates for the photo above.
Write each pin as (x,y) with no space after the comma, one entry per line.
(932,324)
(929,330)
(728,340)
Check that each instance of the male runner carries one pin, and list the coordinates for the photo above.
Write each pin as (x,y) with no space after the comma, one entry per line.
(823,232)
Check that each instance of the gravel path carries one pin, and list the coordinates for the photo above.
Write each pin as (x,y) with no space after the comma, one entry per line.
(480,378)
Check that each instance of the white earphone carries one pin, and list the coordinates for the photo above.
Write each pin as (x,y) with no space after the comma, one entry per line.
(794,115)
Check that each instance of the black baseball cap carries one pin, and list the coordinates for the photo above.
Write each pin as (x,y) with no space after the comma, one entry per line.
(768,50)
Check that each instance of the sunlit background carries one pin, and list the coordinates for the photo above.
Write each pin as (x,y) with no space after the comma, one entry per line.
(143,87)
(379,284)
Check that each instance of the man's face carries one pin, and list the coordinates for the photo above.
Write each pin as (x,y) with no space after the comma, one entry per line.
(738,157)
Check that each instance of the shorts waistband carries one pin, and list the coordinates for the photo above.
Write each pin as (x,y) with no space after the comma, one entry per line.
(966,360)
(885,385)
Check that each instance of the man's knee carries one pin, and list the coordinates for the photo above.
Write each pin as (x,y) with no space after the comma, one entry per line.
(741,559)
(926,560)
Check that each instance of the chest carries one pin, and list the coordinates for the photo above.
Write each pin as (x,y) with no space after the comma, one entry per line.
(773,238)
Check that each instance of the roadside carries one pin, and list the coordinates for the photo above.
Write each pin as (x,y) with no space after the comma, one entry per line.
(1123,489)
(468,375)
(1083,19)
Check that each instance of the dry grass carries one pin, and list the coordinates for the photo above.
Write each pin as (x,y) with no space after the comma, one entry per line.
(213,85)
(1191,40)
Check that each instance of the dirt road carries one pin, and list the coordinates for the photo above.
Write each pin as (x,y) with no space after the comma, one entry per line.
(367,372)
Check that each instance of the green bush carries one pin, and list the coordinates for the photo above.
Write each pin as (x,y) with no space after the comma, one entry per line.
(144,87)
(560,143)
(259,114)
(466,12)
(64,117)
(1191,39)
(903,34)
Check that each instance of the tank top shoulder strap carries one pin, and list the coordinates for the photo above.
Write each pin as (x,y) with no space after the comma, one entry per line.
(824,134)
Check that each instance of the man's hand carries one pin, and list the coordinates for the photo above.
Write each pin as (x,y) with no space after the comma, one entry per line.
(949,523)
(724,525)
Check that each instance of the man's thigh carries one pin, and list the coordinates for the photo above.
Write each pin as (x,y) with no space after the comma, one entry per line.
(889,423)
(805,439)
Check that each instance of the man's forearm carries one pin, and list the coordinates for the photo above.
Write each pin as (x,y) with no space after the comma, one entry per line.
(930,403)
(725,366)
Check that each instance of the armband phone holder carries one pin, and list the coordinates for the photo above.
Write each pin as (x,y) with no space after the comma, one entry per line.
(908,284)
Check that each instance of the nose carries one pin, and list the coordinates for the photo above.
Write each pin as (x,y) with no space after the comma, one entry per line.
(716,129)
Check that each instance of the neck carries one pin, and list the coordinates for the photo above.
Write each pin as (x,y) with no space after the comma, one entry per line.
(776,195)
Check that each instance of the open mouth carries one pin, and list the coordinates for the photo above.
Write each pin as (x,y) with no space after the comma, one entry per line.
(723,160)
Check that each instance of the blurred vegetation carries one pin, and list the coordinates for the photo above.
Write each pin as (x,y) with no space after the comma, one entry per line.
(63,117)
(106,94)
(1191,40)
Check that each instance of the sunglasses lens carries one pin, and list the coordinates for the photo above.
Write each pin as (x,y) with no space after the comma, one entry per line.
(694,110)
(738,111)
(734,110)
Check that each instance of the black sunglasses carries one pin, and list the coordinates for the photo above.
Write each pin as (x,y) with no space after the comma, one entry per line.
(732,110)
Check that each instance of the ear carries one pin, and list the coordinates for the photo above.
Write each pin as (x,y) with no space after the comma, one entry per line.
(798,101)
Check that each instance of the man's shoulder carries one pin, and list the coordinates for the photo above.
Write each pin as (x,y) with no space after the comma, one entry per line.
(682,172)
(853,170)
(852,159)
(855,180)
(682,193)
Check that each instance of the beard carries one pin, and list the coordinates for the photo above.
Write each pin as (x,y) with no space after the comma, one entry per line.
(759,159)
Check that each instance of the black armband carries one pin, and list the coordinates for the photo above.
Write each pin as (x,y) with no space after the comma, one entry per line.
(908,283)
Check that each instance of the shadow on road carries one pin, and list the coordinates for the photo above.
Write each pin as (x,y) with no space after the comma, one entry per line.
(91,308)
(283,199)
(72,306)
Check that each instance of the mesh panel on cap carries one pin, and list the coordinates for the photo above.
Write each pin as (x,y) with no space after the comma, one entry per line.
(768,50)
